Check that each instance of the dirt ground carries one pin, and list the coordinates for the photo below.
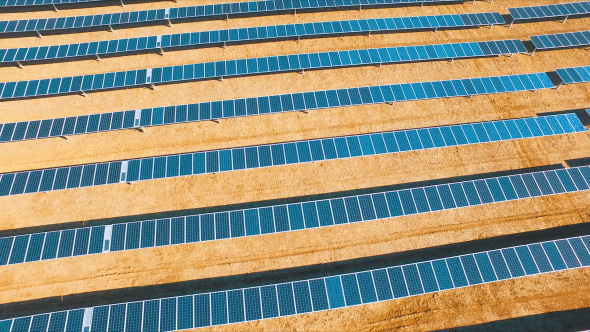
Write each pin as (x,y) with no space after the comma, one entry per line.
(474,305)
(196,261)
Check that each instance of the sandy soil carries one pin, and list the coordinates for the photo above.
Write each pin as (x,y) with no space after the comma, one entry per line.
(286,250)
(261,184)
(468,306)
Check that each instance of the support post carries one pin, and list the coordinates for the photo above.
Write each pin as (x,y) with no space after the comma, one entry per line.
(298,39)
(152,86)
(227,17)
(224,45)
(39,34)
(491,26)
(533,53)
(111,28)
(169,23)
(565,19)
(141,129)
(122,3)
(295,12)
(162,51)
(20,65)
(55,8)
(559,86)
(221,79)
(511,23)
(302,72)
(84,94)
(98,58)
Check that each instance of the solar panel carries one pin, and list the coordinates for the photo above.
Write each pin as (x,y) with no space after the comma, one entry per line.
(312,213)
(562,10)
(283,153)
(229,306)
(574,75)
(269,104)
(258,34)
(23,3)
(561,40)
(255,66)
(207,12)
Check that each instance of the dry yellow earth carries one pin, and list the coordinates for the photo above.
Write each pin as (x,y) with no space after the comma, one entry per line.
(462,307)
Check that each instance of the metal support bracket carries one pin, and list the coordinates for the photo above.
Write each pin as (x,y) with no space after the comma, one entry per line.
(20,65)
(39,34)
(559,86)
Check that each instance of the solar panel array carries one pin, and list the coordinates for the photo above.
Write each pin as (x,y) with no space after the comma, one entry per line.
(550,11)
(312,295)
(247,8)
(260,34)
(289,217)
(272,104)
(283,154)
(22,3)
(574,74)
(561,40)
(262,65)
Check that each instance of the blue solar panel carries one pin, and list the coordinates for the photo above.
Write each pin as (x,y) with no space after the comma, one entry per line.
(310,214)
(260,34)
(135,78)
(574,74)
(206,12)
(302,296)
(575,9)
(274,155)
(312,100)
(561,40)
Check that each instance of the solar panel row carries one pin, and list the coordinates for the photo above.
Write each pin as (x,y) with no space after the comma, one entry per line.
(550,11)
(561,40)
(266,33)
(282,154)
(289,217)
(574,74)
(248,8)
(312,295)
(21,3)
(271,104)
(262,65)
